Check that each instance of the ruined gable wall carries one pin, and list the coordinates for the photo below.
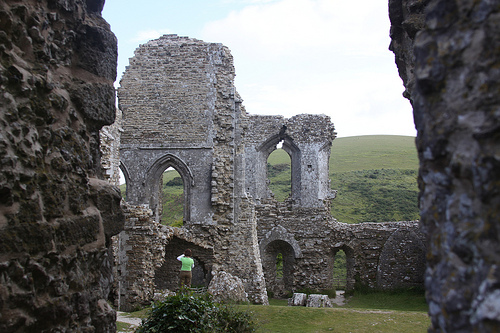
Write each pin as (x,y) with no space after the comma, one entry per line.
(191,79)
(167,93)
(307,139)
(57,67)
(455,59)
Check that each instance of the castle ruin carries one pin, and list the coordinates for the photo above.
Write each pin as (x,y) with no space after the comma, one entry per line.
(57,215)
(181,110)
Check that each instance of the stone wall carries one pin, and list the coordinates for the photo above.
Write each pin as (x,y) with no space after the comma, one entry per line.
(110,149)
(389,255)
(57,67)
(188,85)
(231,220)
(140,250)
(452,50)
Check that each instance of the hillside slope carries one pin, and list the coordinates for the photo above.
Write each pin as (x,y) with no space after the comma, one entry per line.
(375,176)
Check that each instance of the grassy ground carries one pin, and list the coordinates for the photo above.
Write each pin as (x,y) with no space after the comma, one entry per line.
(303,319)
(364,312)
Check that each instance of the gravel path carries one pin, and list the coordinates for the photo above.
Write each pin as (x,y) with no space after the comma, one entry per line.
(123,317)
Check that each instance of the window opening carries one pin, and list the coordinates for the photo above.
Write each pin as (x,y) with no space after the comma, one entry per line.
(340,270)
(172,198)
(123,185)
(279,266)
(279,173)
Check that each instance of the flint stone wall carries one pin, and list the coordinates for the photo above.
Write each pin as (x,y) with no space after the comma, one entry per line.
(141,250)
(448,55)
(57,68)
(231,220)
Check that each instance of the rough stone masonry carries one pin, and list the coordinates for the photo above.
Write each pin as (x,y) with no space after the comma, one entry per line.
(181,110)
(56,216)
(57,68)
(448,55)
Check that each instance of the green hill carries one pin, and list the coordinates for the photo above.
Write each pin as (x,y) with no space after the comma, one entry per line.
(375,177)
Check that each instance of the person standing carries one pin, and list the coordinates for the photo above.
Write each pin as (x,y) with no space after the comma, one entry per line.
(187,264)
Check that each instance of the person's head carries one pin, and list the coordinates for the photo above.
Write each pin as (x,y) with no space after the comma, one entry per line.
(187,253)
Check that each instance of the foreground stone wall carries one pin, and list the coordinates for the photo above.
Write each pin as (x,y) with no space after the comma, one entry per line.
(454,89)
(57,67)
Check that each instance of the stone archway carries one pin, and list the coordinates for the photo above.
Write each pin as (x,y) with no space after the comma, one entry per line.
(167,276)
(279,280)
(266,148)
(153,181)
(348,274)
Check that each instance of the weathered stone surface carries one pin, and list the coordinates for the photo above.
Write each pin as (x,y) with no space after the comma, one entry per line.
(110,148)
(231,220)
(55,271)
(454,88)
(318,301)
(226,287)
(298,299)
(139,250)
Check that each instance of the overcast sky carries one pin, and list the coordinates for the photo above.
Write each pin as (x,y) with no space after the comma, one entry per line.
(291,56)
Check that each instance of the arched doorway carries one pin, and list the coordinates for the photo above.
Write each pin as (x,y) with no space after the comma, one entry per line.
(167,276)
(341,264)
(278,263)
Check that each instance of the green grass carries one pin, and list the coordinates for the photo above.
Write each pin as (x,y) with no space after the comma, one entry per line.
(303,319)
(124,327)
(375,195)
(373,152)
(365,312)
(172,199)
(404,300)
(404,311)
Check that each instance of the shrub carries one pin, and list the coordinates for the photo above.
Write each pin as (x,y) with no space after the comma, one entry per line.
(186,312)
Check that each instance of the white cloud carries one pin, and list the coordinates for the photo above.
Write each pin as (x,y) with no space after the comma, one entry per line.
(146,35)
(279,28)
(317,56)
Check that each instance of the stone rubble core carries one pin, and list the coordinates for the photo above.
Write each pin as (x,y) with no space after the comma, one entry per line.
(448,55)
(57,214)
(181,110)
(225,287)
(298,299)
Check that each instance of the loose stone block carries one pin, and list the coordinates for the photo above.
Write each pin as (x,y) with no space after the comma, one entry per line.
(298,299)
(318,301)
